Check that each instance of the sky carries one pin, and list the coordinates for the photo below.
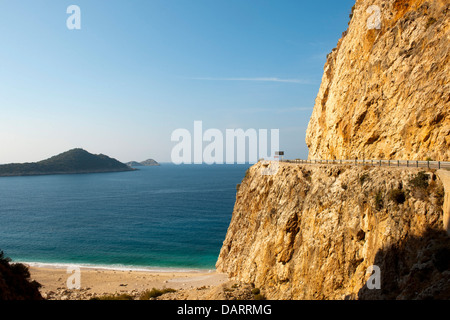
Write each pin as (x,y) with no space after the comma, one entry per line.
(138,70)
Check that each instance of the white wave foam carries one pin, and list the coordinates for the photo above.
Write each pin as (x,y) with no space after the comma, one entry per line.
(115,267)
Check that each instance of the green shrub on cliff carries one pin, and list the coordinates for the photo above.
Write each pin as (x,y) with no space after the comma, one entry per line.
(440,194)
(379,203)
(363,178)
(256,291)
(397,195)
(420,180)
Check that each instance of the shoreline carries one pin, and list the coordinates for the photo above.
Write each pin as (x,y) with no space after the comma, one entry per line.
(97,282)
(114,267)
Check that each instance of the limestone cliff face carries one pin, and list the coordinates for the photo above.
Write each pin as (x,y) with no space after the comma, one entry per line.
(315,231)
(312,231)
(385,93)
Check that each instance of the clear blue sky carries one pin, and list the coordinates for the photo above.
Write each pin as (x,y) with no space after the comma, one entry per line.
(137,70)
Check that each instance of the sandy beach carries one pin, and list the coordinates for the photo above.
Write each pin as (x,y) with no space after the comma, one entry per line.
(101,282)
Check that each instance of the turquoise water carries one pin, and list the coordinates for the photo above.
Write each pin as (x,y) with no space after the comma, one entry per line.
(158,217)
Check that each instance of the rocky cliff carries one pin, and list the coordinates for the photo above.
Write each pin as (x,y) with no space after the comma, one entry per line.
(385,91)
(314,231)
(347,232)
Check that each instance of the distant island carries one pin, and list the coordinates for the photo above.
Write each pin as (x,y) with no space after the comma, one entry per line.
(70,162)
(134,164)
(146,163)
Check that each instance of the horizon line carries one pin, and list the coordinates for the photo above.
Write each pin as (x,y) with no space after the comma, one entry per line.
(257,79)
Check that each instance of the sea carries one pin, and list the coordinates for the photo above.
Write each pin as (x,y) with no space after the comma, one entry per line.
(160,218)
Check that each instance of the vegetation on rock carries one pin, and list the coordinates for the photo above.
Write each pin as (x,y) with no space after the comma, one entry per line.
(69,162)
(15,283)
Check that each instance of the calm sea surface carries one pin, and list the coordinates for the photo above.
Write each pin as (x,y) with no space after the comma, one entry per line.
(155,218)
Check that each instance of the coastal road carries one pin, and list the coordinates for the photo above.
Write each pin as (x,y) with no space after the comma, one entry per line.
(379,163)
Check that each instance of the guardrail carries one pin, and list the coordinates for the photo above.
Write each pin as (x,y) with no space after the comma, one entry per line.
(379,163)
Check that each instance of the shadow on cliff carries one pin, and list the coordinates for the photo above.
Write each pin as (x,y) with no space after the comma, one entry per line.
(415,268)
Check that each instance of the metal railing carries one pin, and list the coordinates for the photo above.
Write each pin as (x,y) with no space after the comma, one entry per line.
(379,163)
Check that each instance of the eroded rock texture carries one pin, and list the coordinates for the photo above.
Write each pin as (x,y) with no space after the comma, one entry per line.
(312,232)
(385,93)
